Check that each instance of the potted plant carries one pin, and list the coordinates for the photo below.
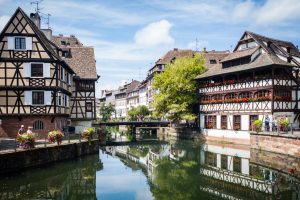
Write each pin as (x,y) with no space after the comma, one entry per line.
(55,136)
(27,140)
(87,134)
(236,127)
(257,125)
(284,125)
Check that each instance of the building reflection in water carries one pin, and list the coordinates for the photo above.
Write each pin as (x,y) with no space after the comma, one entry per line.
(67,180)
(185,170)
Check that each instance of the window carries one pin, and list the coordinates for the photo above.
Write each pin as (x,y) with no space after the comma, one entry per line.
(237,162)
(38,125)
(37,97)
(211,158)
(245,95)
(20,43)
(236,122)
(88,106)
(223,122)
(211,122)
(224,161)
(63,42)
(36,70)
(62,74)
(262,93)
(66,100)
(59,100)
(251,120)
(212,61)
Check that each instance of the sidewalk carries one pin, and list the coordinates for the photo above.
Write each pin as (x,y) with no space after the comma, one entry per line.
(8,145)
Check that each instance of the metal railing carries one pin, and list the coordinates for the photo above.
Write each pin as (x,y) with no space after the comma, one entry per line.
(275,129)
(11,144)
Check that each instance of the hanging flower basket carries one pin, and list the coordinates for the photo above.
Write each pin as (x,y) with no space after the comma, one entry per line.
(257,125)
(87,134)
(26,140)
(55,136)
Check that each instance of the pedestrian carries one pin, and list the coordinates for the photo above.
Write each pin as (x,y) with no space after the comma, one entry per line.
(21,130)
(29,130)
(267,123)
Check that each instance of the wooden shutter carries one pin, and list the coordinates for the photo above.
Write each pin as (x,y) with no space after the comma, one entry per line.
(28,97)
(28,43)
(46,70)
(47,97)
(10,43)
(27,69)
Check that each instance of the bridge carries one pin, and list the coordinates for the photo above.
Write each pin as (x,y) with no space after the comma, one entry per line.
(134,125)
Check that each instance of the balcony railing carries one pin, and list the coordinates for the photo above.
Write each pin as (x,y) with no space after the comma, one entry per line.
(235,85)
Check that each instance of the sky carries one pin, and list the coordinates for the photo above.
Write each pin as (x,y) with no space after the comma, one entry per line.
(129,36)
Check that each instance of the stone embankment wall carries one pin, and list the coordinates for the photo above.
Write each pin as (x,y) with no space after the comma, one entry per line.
(15,161)
(276,161)
(278,144)
(179,133)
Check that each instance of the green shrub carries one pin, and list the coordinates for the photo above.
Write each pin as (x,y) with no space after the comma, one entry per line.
(257,125)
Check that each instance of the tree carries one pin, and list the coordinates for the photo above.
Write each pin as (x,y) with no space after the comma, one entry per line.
(106,112)
(177,88)
(138,113)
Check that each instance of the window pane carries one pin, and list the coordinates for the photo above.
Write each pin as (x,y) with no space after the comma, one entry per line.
(20,43)
(37,98)
(36,70)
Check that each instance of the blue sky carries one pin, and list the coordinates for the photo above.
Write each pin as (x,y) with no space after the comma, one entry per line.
(129,36)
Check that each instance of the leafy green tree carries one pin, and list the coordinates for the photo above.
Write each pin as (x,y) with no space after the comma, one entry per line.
(106,111)
(177,88)
(138,113)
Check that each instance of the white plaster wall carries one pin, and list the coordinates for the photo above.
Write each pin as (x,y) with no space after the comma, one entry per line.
(245,166)
(218,121)
(245,122)
(227,134)
(229,121)
(80,125)
(201,121)
(230,163)
(227,151)
(219,160)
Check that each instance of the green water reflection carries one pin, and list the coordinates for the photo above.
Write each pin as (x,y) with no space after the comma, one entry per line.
(165,170)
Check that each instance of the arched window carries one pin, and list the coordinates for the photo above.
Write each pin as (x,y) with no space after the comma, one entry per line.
(38,125)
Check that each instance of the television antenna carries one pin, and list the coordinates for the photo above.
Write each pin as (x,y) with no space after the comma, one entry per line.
(196,45)
(37,9)
(47,18)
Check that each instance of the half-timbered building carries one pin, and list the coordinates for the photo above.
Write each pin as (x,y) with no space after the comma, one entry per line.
(259,78)
(82,60)
(34,86)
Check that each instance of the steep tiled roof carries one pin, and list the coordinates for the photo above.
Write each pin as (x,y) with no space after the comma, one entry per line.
(173,54)
(133,86)
(240,54)
(261,61)
(264,58)
(82,58)
(263,40)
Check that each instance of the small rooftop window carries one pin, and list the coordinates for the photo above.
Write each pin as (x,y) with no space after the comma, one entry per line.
(63,42)
(213,61)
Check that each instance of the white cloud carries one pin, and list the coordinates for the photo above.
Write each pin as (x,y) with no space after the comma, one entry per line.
(156,33)
(3,20)
(274,12)
(243,10)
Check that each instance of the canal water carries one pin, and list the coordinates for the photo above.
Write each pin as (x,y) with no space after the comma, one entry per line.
(163,170)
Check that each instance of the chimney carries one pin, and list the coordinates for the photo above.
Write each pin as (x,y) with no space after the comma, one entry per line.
(175,49)
(48,33)
(204,49)
(35,17)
